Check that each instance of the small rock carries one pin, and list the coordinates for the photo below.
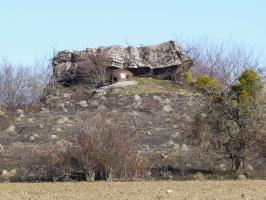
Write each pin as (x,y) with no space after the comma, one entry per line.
(171,143)
(2,149)
(185,147)
(222,167)
(2,113)
(32,138)
(53,137)
(150,123)
(149,133)
(20,111)
(5,173)
(163,156)
(242,177)
(30,120)
(83,104)
(175,135)
(169,191)
(157,98)
(167,108)
(102,108)
(69,125)
(66,95)
(166,101)
(62,120)
(18,119)
(22,115)
(94,103)
(58,129)
(250,167)
(176,146)
(137,98)
(41,126)
(11,129)
(13,172)
(175,125)
(35,135)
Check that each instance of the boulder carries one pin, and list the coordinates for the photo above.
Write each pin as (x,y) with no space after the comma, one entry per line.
(71,65)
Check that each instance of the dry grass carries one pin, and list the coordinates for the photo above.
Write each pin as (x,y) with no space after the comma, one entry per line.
(136,190)
(151,86)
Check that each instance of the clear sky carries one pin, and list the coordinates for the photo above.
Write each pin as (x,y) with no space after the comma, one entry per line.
(30,29)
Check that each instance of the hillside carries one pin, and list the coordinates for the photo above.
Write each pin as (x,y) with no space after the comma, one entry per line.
(160,110)
(163,110)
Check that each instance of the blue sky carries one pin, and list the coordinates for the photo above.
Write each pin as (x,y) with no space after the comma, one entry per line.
(30,29)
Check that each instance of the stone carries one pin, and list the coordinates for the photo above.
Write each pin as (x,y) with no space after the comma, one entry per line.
(13,172)
(166,55)
(32,138)
(171,143)
(167,108)
(11,129)
(169,191)
(242,177)
(20,111)
(63,120)
(137,98)
(36,135)
(2,149)
(175,126)
(5,173)
(157,98)
(18,119)
(166,101)
(94,103)
(30,120)
(2,114)
(185,147)
(53,137)
(66,95)
(58,129)
(222,167)
(102,108)
(83,104)
(250,168)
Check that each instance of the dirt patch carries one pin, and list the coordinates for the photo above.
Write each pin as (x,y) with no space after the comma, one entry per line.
(136,190)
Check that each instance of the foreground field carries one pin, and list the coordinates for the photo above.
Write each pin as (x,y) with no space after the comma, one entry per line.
(135,190)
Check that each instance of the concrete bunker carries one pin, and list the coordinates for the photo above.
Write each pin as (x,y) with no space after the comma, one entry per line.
(119,75)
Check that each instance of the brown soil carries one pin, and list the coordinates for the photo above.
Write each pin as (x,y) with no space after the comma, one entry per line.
(135,190)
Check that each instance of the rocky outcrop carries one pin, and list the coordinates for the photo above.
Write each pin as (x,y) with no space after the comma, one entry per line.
(68,65)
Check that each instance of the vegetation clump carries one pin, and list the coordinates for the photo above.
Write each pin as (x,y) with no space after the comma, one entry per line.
(208,85)
(235,122)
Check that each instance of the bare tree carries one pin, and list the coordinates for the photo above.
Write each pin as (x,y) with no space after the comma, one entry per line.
(222,59)
(108,148)
(21,85)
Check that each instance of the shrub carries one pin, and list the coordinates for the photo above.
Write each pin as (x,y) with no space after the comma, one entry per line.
(21,86)
(236,121)
(249,87)
(208,85)
(103,149)
(108,148)
(188,77)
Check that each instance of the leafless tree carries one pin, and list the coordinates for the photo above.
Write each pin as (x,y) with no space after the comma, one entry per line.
(108,148)
(222,59)
(22,85)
